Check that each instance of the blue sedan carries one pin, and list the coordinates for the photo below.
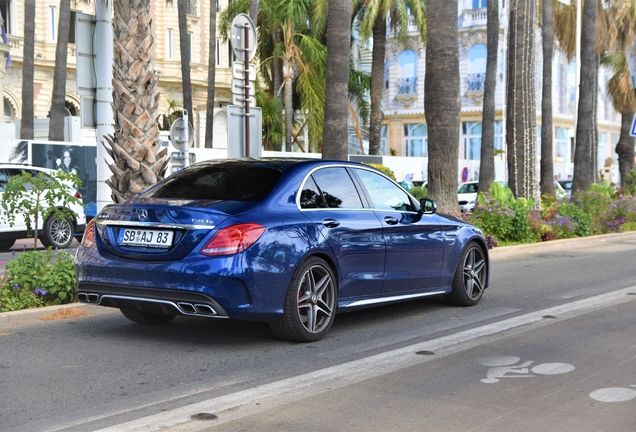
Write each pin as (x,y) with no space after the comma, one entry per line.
(288,242)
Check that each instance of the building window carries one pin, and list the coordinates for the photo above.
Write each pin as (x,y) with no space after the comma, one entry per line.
(415,140)
(5,9)
(218,6)
(561,145)
(499,139)
(477,67)
(386,75)
(170,46)
(478,4)
(384,139)
(407,73)
(191,45)
(602,149)
(52,22)
(217,52)
(471,141)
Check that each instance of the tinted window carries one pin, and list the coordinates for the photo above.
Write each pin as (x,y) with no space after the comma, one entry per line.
(310,196)
(225,182)
(468,188)
(337,188)
(384,194)
(3,180)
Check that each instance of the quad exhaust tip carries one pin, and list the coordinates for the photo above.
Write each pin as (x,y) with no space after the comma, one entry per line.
(88,297)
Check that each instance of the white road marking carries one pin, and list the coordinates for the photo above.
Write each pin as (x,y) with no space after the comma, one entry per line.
(552,368)
(613,394)
(246,402)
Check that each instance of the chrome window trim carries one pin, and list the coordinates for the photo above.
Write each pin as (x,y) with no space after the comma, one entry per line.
(302,185)
(108,222)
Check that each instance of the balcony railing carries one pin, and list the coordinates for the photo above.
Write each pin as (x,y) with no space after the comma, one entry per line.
(192,8)
(407,86)
(476,81)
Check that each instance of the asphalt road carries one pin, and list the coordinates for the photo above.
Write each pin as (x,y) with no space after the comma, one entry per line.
(550,347)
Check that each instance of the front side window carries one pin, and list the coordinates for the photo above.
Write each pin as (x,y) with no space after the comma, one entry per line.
(337,188)
(384,194)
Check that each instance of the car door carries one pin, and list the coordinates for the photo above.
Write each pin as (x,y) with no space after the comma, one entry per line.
(19,223)
(414,241)
(331,201)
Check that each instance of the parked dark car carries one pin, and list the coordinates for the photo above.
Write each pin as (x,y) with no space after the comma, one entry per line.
(288,242)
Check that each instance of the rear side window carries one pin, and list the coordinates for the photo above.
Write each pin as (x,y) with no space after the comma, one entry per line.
(310,196)
(218,182)
(337,188)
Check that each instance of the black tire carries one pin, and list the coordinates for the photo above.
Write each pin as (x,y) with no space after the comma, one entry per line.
(310,303)
(58,233)
(5,245)
(146,317)
(470,277)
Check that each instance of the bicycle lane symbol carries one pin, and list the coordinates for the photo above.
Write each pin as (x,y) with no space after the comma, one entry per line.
(614,394)
(507,367)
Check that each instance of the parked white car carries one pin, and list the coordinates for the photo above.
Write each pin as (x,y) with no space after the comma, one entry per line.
(467,196)
(53,232)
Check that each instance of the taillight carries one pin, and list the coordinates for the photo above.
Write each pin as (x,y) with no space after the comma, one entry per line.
(233,239)
(88,239)
(77,195)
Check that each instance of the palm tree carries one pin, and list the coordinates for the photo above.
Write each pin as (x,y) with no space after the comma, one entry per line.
(209,109)
(584,154)
(58,100)
(28,55)
(184,46)
(487,156)
(139,160)
(335,134)
(521,101)
(442,102)
(547,37)
(373,15)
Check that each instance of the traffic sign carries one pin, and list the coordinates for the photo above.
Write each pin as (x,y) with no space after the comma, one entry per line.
(178,134)
(244,49)
(633,131)
(236,132)
(238,70)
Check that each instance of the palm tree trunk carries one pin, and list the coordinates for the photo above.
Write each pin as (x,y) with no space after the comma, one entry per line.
(521,101)
(289,109)
(139,158)
(547,165)
(58,101)
(28,54)
(442,102)
(625,147)
(583,152)
(253,11)
(335,135)
(184,46)
(377,83)
(487,163)
(209,110)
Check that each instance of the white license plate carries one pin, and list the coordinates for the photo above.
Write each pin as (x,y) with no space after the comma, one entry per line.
(145,237)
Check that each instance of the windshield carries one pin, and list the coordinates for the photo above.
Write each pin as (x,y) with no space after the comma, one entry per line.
(468,188)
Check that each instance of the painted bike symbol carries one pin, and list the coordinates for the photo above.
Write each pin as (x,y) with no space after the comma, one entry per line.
(614,394)
(507,367)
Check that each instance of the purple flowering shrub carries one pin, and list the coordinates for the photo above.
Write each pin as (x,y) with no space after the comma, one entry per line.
(35,279)
(619,216)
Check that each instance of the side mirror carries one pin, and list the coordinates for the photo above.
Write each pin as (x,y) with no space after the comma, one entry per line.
(427,206)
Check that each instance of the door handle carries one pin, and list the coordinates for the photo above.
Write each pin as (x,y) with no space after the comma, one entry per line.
(390,220)
(330,223)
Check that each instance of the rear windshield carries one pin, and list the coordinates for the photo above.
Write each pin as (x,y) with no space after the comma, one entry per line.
(218,182)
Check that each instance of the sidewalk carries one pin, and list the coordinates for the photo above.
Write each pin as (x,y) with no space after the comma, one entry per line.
(496,254)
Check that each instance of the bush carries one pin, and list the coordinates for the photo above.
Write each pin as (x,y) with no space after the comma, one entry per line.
(620,215)
(38,279)
(419,192)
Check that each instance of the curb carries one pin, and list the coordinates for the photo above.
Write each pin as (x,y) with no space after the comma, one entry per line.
(496,254)
(556,245)
(27,315)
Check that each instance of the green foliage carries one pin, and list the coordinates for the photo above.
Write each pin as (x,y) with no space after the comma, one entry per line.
(38,279)
(36,197)
(384,169)
(629,185)
(502,216)
(604,188)
(566,220)
(419,192)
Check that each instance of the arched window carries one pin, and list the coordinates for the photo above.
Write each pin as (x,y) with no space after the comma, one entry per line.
(415,140)
(407,73)
(9,113)
(477,67)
